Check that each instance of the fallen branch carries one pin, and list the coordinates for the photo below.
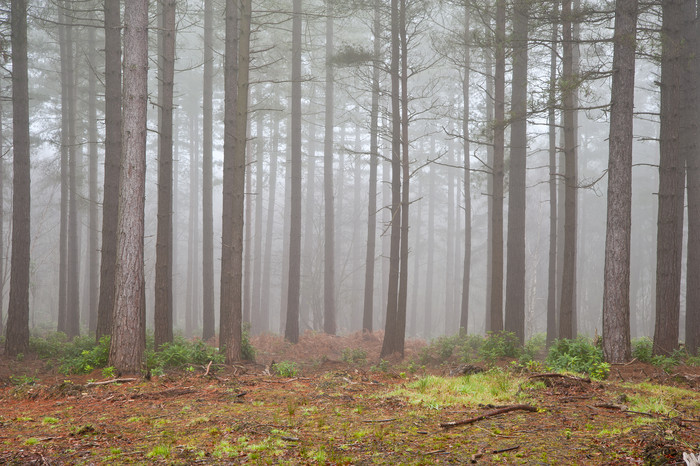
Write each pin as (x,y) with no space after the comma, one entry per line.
(206,373)
(163,393)
(562,376)
(379,420)
(106,382)
(493,413)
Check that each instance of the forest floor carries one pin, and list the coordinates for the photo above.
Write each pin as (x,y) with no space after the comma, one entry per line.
(345,409)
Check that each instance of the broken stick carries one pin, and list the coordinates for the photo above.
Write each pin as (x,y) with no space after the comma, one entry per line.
(106,382)
(495,412)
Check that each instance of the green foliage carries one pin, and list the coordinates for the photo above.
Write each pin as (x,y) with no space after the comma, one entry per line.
(535,349)
(247,350)
(23,380)
(579,355)
(181,353)
(285,369)
(500,345)
(442,348)
(642,349)
(82,355)
(382,366)
(354,356)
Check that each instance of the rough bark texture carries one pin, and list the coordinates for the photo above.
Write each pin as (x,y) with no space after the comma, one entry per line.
(2,224)
(17,334)
(271,199)
(329,325)
(163,307)
(258,321)
(208,315)
(128,326)
(515,279)
(389,344)
(569,87)
(93,215)
(230,93)
(496,311)
(671,178)
(368,308)
(291,332)
(616,283)
(113,128)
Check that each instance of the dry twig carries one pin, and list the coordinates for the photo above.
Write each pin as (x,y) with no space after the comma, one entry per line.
(495,412)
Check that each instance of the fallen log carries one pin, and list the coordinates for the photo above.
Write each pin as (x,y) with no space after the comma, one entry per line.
(493,413)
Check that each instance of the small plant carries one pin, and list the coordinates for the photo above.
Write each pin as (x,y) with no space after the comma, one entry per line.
(31,441)
(500,345)
(49,420)
(382,366)
(108,372)
(23,380)
(83,355)
(285,369)
(354,356)
(642,349)
(162,451)
(578,355)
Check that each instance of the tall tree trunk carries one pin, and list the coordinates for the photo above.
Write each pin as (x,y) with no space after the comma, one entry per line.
(675,56)
(310,311)
(256,313)
(247,246)
(466,272)
(17,334)
(569,90)
(490,108)
(329,214)
(208,315)
(163,309)
(449,240)
(515,289)
(66,74)
(496,311)
(368,308)
(226,302)
(692,302)
(128,342)
(616,284)
(291,332)
(2,223)
(193,275)
(551,122)
(391,324)
(93,216)
(113,149)
(271,199)
(428,307)
(72,312)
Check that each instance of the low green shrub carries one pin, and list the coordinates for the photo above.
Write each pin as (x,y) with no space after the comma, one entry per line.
(579,355)
(354,356)
(83,355)
(642,349)
(499,345)
(285,369)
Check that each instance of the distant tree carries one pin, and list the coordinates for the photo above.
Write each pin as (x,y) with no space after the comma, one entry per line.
(291,332)
(675,60)
(515,279)
(616,284)
(271,201)
(552,150)
(17,334)
(329,325)
(466,272)
(93,215)
(163,309)
(66,77)
(113,150)
(128,335)
(208,315)
(2,221)
(258,320)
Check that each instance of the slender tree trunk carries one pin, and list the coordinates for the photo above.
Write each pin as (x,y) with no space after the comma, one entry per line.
(17,334)
(429,269)
(271,199)
(292,322)
(2,223)
(128,326)
(515,289)
(490,108)
(163,310)
(113,148)
(329,325)
(449,240)
(391,324)
(257,318)
(496,317)
(692,302)
(368,308)
(72,315)
(286,227)
(310,311)
(675,53)
(616,285)
(208,315)
(227,251)
(551,117)
(193,300)
(566,317)
(93,216)
(247,246)
(466,272)
(66,74)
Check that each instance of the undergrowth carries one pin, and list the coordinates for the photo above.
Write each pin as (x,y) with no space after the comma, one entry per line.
(578,355)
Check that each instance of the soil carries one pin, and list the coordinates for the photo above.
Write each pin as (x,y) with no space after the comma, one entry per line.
(337,410)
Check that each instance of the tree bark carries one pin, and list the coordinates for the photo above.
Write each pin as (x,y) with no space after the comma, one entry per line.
(17,334)
(113,149)
(208,315)
(616,283)
(271,199)
(163,310)
(291,332)
(258,321)
(551,117)
(128,334)
(496,311)
(675,54)
(466,272)
(93,215)
(65,147)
